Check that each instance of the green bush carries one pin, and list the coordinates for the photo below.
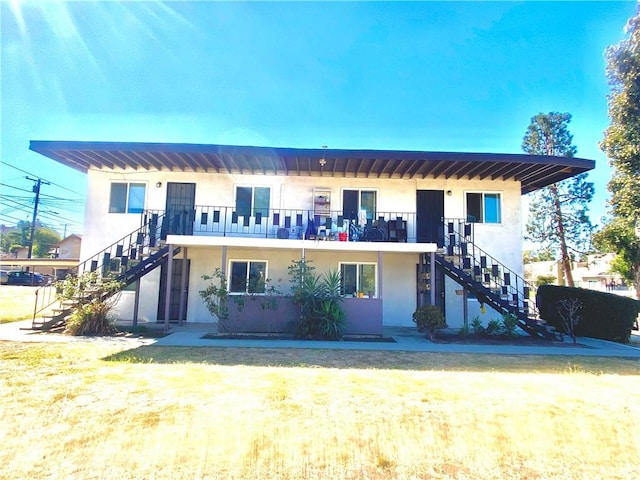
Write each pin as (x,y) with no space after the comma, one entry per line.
(604,315)
(429,319)
(319,302)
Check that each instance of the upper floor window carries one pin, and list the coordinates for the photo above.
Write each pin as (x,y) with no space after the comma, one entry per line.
(127,197)
(358,277)
(484,207)
(355,200)
(252,200)
(247,276)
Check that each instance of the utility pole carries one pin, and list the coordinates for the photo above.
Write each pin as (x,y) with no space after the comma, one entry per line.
(36,190)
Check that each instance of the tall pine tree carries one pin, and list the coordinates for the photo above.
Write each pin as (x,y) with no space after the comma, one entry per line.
(621,144)
(558,214)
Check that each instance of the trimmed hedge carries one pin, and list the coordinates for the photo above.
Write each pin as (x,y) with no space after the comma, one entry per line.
(604,315)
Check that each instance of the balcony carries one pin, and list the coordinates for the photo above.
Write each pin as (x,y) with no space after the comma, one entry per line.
(205,225)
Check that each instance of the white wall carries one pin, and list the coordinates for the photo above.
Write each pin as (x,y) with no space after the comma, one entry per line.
(502,241)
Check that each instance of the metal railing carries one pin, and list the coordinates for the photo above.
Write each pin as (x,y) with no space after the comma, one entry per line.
(114,259)
(486,269)
(283,223)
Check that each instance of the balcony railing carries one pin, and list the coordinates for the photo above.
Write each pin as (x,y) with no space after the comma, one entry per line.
(288,223)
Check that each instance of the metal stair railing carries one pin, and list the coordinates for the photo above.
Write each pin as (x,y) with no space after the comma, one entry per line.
(114,260)
(495,283)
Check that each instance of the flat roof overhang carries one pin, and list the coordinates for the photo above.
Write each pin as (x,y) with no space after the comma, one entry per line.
(308,245)
(532,171)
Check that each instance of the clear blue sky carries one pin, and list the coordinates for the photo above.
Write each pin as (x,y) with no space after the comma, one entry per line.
(422,76)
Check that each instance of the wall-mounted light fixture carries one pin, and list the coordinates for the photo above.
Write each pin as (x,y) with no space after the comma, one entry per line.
(158,184)
(449,193)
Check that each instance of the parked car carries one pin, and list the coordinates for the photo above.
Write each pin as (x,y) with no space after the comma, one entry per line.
(4,277)
(25,278)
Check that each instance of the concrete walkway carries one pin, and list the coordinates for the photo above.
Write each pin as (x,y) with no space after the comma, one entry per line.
(405,339)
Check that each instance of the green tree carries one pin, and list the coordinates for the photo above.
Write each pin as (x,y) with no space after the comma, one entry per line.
(558,214)
(11,240)
(43,241)
(618,236)
(621,144)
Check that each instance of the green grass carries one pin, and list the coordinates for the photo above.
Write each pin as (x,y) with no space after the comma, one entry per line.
(208,413)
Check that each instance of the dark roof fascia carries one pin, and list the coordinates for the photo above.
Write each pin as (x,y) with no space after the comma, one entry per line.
(278,158)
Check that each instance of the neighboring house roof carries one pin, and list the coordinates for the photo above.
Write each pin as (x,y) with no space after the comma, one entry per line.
(68,238)
(533,171)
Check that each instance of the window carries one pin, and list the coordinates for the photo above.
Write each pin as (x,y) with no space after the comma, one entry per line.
(355,200)
(127,197)
(483,208)
(247,276)
(358,277)
(252,200)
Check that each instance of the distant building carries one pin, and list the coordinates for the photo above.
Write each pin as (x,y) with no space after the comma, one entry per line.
(595,274)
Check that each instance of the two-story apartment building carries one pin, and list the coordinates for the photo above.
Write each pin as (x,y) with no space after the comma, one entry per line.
(418,227)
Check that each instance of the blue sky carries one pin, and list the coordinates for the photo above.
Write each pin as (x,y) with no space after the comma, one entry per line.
(452,76)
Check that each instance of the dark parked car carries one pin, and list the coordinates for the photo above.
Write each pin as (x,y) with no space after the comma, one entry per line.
(26,278)
(4,277)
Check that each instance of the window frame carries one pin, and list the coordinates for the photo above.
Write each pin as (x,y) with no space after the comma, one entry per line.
(247,279)
(370,215)
(252,207)
(127,198)
(483,205)
(359,285)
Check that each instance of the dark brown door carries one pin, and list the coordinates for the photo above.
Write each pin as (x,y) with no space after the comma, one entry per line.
(176,285)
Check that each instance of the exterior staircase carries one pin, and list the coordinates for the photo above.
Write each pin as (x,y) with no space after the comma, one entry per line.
(493,283)
(126,260)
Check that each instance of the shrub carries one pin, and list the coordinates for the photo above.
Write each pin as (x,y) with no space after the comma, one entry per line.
(91,319)
(493,327)
(476,326)
(509,325)
(319,302)
(604,315)
(216,295)
(429,319)
(94,297)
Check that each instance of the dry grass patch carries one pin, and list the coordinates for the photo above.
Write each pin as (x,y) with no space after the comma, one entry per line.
(189,414)
(16,303)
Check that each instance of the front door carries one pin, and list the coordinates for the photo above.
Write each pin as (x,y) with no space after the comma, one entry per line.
(430,229)
(180,208)
(430,216)
(176,285)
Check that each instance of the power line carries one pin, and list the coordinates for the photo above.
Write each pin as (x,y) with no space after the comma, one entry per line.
(43,179)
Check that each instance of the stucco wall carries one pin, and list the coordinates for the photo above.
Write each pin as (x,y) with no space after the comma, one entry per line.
(503,241)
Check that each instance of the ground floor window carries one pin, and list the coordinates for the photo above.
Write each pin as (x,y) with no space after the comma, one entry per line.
(247,276)
(483,207)
(358,277)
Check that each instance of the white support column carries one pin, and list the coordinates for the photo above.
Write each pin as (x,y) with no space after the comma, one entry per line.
(167,294)
(223,268)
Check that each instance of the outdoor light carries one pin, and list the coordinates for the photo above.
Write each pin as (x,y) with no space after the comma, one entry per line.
(158,184)
(449,193)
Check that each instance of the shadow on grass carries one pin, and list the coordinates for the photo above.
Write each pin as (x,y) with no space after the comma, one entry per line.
(368,360)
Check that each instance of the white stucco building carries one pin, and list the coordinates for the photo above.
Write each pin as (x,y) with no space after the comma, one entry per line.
(443,226)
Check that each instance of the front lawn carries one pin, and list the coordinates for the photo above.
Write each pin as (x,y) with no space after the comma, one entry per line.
(209,413)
